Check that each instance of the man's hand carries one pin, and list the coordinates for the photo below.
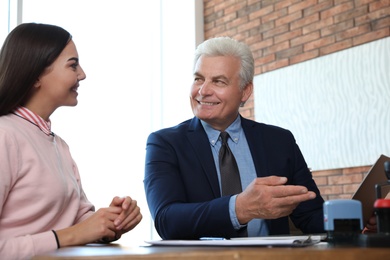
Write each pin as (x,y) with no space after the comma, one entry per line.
(269,198)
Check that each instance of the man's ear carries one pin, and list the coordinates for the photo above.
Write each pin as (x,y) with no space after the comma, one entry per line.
(247,92)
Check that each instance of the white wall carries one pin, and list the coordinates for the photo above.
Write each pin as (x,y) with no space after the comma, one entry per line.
(337,106)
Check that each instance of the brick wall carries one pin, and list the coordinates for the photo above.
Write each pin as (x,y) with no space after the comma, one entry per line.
(340,183)
(285,32)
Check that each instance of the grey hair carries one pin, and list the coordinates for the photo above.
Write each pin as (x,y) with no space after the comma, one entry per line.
(226,46)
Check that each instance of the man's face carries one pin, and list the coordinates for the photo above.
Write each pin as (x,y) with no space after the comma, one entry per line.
(215,93)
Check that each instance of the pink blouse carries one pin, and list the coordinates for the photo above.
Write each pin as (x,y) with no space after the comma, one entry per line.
(40,189)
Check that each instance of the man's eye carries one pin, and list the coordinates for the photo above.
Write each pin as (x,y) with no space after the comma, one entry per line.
(219,82)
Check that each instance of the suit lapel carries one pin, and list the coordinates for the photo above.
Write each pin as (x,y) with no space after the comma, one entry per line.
(201,146)
(254,138)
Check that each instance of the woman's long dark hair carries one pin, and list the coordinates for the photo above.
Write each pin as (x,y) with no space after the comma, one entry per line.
(26,52)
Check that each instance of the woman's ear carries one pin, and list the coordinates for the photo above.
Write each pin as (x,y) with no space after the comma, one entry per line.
(37,83)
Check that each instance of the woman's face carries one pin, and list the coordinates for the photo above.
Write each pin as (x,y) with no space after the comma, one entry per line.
(57,86)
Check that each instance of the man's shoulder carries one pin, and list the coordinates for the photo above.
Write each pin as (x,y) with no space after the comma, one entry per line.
(182,127)
(249,124)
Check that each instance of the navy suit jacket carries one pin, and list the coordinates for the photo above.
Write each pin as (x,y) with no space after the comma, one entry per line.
(182,188)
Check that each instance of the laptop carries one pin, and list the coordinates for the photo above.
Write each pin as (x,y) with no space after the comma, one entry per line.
(366,192)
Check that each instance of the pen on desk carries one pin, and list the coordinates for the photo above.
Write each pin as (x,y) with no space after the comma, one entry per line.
(212,238)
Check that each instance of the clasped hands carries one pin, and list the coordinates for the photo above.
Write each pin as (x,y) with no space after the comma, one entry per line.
(105,225)
(270,198)
(123,215)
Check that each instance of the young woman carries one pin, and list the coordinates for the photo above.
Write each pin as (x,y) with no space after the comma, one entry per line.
(42,203)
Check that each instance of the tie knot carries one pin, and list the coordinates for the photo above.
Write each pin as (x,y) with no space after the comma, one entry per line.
(224,137)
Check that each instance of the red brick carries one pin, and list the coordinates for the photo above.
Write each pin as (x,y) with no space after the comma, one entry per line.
(275,65)
(331,190)
(320,181)
(375,35)
(345,179)
(227,18)
(355,31)
(275,15)
(305,38)
(242,36)
(210,3)
(378,5)
(238,7)
(380,23)
(249,25)
(263,44)
(264,27)
(235,22)
(327,172)
(257,53)
(363,2)
(338,46)
(285,3)
(317,25)
(306,55)
(289,52)
(350,14)
(337,28)
(289,18)
(318,7)
(276,47)
(253,39)
(208,11)
(305,21)
(262,12)
(252,2)
(287,36)
(276,31)
(319,43)
(351,188)
(359,169)
(382,13)
(216,30)
(338,2)
(341,196)
(208,26)
(301,5)
(336,10)
(266,59)
(230,6)
(258,70)
(267,2)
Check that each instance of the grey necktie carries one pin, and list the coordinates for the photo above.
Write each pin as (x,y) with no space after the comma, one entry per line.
(230,176)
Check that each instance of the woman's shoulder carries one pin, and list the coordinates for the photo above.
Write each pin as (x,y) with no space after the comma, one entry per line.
(8,124)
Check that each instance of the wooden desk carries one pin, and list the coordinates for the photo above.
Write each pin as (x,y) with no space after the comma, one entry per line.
(117,252)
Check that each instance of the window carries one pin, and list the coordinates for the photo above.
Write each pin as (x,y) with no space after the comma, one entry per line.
(138,61)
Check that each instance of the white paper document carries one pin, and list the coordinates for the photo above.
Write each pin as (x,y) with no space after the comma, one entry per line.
(290,241)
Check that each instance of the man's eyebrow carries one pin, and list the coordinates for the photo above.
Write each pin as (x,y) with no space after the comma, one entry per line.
(220,77)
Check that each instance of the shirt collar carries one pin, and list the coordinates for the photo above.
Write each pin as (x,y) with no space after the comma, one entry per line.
(233,131)
(35,119)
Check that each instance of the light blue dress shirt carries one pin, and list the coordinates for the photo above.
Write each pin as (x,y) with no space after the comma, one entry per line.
(240,149)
